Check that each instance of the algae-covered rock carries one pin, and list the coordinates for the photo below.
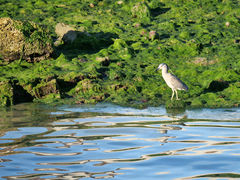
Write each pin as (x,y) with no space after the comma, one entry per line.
(23,40)
(175,104)
(12,93)
(88,91)
(87,86)
(6,93)
(44,89)
(123,50)
(21,94)
(141,11)
(104,61)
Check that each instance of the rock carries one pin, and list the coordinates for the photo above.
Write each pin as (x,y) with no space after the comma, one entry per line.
(203,61)
(84,86)
(76,38)
(152,35)
(20,94)
(13,93)
(46,88)
(104,61)
(23,40)
(217,85)
(141,11)
(65,33)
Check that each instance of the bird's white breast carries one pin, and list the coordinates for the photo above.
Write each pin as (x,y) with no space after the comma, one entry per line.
(168,79)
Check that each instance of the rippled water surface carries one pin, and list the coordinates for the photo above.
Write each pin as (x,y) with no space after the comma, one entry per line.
(109,141)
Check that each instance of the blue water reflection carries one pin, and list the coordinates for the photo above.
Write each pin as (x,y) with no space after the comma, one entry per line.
(109,141)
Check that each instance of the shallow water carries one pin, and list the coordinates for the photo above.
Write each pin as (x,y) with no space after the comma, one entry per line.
(109,141)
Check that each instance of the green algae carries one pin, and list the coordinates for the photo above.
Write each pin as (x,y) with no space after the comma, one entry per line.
(120,44)
(33,32)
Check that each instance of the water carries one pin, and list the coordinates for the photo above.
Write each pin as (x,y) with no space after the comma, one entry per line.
(109,141)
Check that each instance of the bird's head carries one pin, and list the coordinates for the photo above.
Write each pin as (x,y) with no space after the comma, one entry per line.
(162,66)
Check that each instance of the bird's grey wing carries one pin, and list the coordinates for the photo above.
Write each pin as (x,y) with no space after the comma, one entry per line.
(177,83)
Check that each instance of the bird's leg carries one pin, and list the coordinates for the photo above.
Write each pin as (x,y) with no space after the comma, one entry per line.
(172,94)
(176,95)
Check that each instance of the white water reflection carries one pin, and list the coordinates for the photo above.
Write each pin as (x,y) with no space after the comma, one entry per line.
(109,108)
(204,113)
(216,114)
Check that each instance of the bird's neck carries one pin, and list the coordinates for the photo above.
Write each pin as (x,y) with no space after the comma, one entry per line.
(164,71)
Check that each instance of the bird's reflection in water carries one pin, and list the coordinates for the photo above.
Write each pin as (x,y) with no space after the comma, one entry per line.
(175,111)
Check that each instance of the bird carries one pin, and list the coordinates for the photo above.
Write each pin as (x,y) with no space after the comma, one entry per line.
(172,81)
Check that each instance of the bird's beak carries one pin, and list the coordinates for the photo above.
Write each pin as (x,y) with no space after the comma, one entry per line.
(156,69)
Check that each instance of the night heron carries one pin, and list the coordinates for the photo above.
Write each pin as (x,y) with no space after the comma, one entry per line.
(172,81)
